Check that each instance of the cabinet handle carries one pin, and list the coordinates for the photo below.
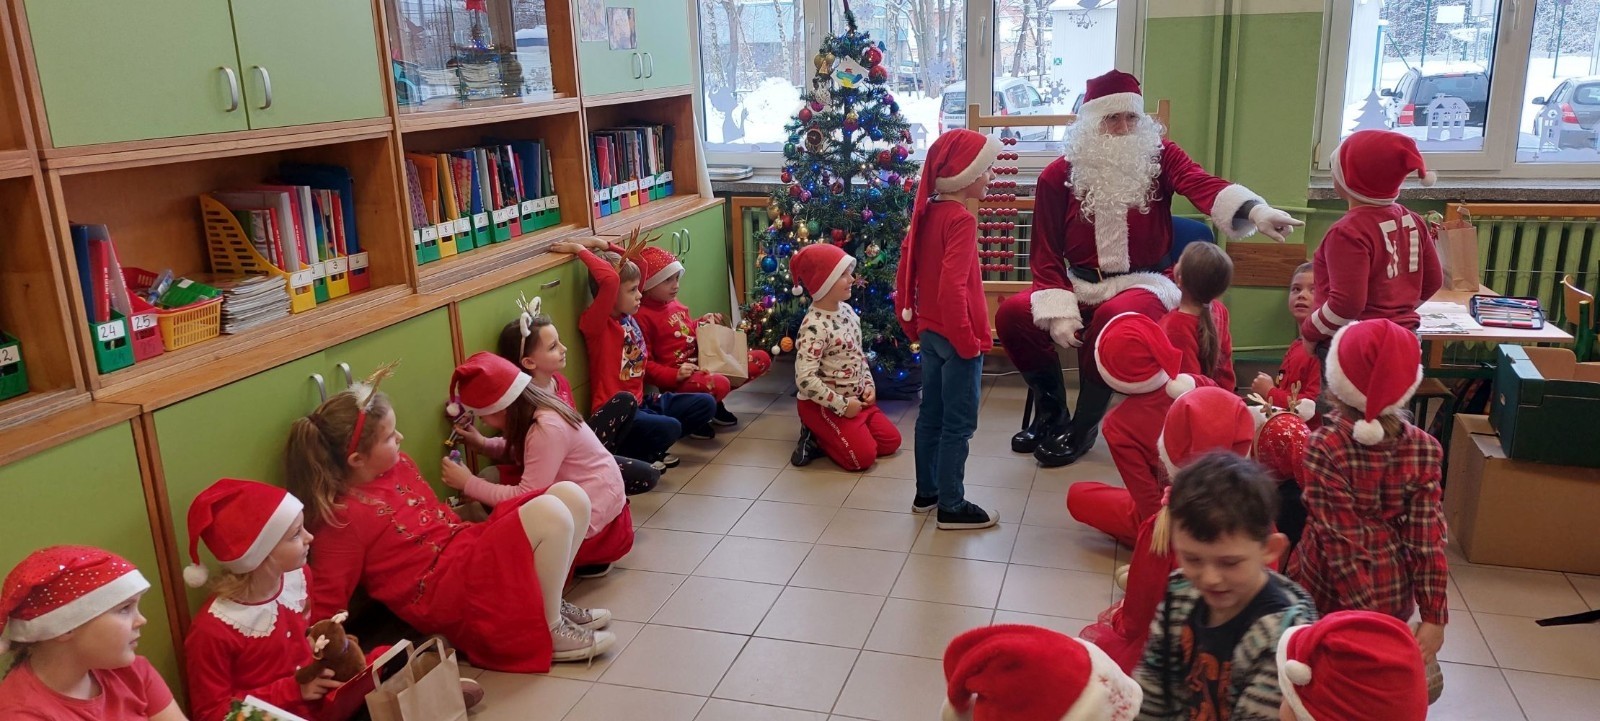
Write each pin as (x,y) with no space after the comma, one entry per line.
(348,379)
(677,242)
(638,66)
(322,388)
(688,242)
(549,284)
(266,86)
(233,88)
(650,58)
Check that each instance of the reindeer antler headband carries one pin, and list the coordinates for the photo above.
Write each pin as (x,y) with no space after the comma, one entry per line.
(633,247)
(529,310)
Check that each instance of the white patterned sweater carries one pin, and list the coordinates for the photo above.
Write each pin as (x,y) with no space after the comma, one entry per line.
(830,367)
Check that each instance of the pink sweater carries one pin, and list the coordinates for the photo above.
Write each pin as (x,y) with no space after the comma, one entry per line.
(555,451)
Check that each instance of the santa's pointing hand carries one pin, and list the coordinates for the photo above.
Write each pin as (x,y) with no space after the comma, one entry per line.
(1272,222)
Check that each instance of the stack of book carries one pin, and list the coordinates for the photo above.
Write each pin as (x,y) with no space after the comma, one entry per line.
(252,300)
(305,226)
(469,198)
(630,166)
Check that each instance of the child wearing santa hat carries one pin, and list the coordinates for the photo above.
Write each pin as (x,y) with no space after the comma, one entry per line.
(838,401)
(1298,383)
(544,441)
(1379,260)
(939,301)
(1135,359)
(1199,422)
(1374,536)
(71,616)
(1351,666)
(670,328)
(1027,673)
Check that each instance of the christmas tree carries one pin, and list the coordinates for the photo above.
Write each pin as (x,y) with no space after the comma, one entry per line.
(848,180)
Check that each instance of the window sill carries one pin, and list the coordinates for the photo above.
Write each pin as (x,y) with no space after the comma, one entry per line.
(1483,189)
(766,181)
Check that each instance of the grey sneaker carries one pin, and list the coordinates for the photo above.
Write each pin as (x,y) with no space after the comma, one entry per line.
(670,461)
(571,643)
(592,619)
(660,466)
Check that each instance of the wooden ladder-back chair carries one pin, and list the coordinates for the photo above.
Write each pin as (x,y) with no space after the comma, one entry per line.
(1579,307)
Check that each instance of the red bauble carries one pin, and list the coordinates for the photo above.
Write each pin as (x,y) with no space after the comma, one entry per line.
(794,191)
(1281,445)
(872,57)
(877,74)
(885,158)
(786,176)
(788,220)
(900,153)
(838,236)
(805,115)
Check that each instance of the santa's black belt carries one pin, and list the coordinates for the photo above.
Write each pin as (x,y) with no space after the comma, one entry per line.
(1095,275)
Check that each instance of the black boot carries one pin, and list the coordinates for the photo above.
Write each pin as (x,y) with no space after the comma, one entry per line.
(805,449)
(1093,400)
(1049,410)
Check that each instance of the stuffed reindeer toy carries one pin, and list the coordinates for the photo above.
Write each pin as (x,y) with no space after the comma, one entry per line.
(332,648)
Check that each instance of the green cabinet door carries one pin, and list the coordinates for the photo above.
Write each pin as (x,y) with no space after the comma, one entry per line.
(420,384)
(602,70)
(88,492)
(236,431)
(308,61)
(703,249)
(664,37)
(135,69)
(563,293)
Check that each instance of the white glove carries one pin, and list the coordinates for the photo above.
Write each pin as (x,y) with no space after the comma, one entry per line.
(1272,222)
(1064,331)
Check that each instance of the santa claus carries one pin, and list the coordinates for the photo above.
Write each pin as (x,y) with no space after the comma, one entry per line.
(1102,225)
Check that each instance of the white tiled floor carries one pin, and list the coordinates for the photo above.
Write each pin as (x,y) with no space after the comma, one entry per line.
(757,591)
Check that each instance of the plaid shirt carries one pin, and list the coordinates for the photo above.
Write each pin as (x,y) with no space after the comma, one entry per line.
(1375,532)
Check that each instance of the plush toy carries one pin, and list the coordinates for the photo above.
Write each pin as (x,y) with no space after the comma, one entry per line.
(332,648)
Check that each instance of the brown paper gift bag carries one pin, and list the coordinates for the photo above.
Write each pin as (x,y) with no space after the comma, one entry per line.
(1458,251)
(723,350)
(427,689)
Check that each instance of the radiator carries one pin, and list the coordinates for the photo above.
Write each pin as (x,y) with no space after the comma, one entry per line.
(1524,250)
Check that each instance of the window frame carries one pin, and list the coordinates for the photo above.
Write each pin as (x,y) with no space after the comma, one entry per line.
(818,20)
(1508,76)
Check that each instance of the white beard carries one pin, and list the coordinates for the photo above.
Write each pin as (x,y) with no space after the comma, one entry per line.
(1110,176)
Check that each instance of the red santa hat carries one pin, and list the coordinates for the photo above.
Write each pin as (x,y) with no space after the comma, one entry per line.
(1207,419)
(1371,164)
(656,265)
(1353,666)
(1027,673)
(487,383)
(1112,93)
(240,522)
(954,161)
(1135,357)
(57,589)
(819,266)
(1374,366)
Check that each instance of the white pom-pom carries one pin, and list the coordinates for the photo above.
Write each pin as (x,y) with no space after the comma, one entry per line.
(1368,433)
(1429,178)
(951,714)
(452,409)
(1297,672)
(195,575)
(1305,408)
(905,314)
(1180,385)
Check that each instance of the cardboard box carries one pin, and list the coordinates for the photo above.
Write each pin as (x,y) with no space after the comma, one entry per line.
(1518,513)
(1544,406)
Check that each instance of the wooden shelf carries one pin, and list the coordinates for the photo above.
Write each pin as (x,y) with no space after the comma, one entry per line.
(482,114)
(60,425)
(503,274)
(478,263)
(642,96)
(166,151)
(17,163)
(652,215)
(38,404)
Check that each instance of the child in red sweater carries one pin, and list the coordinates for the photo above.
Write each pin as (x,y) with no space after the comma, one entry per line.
(1299,380)
(670,330)
(1198,328)
(1379,260)
(71,622)
(619,354)
(1138,361)
(1374,536)
(939,301)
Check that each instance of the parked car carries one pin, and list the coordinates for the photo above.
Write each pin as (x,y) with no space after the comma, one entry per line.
(1012,96)
(1407,102)
(1568,117)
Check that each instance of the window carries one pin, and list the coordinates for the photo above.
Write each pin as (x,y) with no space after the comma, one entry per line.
(1031,57)
(1483,85)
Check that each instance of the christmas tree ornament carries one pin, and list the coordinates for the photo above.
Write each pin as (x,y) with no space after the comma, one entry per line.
(873,250)
(794,192)
(813,139)
(916,347)
(787,344)
(802,232)
(901,153)
(769,263)
(785,250)
(836,186)
(838,235)
(797,291)
(817,105)
(786,176)
(872,57)
(788,220)
(805,196)
(852,122)
(776,350)
(878,74)
(816,227)
(866,214)
(789,149)
(773,211)
(823,63)
(805,115)
(885,158)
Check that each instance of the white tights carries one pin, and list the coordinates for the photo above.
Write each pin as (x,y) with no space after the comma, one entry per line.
(555,524)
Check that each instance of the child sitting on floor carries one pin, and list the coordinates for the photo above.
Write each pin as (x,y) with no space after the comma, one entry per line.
(1351,666)
(1299,380)
(1198,327)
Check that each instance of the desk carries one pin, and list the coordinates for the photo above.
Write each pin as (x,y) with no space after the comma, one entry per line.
(1434,342)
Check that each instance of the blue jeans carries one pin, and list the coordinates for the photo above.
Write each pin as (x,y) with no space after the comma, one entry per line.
(946,420)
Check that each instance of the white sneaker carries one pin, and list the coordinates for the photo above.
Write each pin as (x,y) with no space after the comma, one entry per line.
(592,619)
(568,642)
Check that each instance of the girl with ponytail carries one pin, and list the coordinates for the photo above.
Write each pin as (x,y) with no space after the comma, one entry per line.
(1199,326)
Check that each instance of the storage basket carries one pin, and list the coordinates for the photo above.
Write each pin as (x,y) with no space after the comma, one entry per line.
(13,372)
(177,327)
(112,349)
(142,323)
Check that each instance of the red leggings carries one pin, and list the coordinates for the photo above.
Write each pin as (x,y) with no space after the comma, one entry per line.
(853,443)
(719,385)
(1107,509)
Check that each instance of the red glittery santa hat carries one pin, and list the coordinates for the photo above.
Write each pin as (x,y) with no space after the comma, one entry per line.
(1111,93)
(1374,366)
(487,383)
(656,265)
(1371,164)
(1135,357)
(240,522)
(954,161)
(57,589)
(1353,666)
(1027,673)
(819,266)
(1204,420)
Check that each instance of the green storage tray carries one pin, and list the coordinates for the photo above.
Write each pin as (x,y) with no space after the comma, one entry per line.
(113,347)
(13,372)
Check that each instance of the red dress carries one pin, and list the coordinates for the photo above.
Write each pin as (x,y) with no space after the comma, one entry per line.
(1184,332)
(474,583)
(670,331)
(235,650)
(1375,262)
